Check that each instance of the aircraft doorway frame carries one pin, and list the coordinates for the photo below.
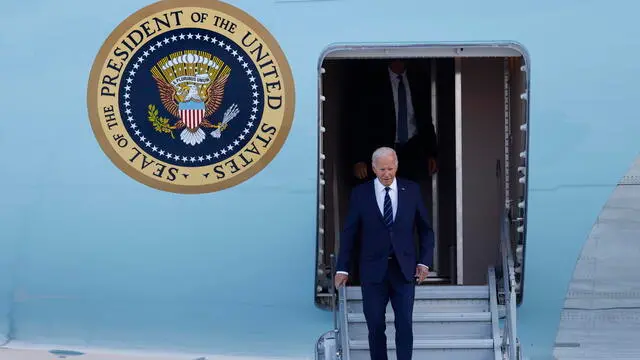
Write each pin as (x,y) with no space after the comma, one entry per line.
(416,50)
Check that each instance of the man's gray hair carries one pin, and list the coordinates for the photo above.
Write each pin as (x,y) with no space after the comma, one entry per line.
(383,151)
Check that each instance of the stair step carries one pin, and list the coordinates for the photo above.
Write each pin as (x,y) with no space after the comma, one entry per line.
(433,306)
(430,330)
(449,322)
(443,292)
(431,344)
(430,317)
(436,354)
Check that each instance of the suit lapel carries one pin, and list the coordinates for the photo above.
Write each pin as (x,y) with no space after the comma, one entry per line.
(373,201)
(402,200)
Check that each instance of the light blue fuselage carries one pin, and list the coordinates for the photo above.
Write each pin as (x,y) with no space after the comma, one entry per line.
(95,258)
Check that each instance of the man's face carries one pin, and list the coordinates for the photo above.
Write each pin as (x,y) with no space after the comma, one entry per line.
(385,169)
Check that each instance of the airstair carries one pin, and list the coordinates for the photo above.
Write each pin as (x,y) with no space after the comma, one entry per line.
(449,321)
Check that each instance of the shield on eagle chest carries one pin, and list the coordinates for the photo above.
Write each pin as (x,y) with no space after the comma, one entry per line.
(191,113)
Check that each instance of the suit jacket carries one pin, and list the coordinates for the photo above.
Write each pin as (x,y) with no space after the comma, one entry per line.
(375,117)
(364,217)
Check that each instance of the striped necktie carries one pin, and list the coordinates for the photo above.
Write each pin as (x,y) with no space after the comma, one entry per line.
(388,210)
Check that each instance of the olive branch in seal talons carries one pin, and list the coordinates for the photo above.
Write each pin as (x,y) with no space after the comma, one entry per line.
(159,123)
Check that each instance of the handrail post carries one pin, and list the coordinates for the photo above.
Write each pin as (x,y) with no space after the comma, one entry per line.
(510,346)
(333,292)
(336,329)
(343,351)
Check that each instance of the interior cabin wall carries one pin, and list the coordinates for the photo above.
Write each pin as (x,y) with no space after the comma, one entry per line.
(482,121)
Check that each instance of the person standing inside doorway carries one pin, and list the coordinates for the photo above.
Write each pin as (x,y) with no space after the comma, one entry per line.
(395,112)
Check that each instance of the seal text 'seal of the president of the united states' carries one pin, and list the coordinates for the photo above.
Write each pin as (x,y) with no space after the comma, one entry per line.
(191,96)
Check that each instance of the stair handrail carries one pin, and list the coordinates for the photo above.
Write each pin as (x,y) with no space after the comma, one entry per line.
(343,339)
(509,338)
(332,287)
(510,344)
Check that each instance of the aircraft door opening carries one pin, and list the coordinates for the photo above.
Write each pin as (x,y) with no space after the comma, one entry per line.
(474,127)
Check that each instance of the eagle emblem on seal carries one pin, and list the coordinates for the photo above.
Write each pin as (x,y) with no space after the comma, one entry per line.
(191,85)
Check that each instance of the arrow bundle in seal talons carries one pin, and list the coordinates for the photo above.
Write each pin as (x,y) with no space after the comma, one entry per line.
(231,113)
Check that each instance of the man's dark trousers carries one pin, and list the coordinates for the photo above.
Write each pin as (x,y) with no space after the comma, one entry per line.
(376,296)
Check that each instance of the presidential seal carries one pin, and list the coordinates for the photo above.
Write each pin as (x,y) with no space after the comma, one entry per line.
(190,96)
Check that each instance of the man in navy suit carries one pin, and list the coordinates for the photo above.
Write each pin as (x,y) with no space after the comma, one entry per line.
(385,211)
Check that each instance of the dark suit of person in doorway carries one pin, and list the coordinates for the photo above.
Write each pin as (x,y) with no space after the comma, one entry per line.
(385,211)
(394,110)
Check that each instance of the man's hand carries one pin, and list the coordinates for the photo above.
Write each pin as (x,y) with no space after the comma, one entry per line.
(421,273)
(433,166)
(341,280)
(360,170)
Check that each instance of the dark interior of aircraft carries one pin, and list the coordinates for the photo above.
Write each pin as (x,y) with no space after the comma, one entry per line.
(481,122)
(356,75)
